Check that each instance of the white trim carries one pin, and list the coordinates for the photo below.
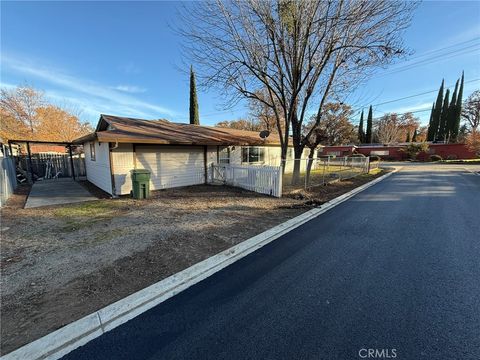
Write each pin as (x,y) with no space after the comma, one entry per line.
(62,341)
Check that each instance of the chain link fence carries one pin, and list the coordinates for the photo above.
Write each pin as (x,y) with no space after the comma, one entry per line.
(323,170)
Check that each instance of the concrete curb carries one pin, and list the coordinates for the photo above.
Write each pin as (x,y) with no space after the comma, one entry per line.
(66,339)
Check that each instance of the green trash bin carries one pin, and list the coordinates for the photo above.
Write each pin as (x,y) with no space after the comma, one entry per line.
(140,183)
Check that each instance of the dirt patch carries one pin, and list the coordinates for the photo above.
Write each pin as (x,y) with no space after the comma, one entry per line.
(61,263)
(318,195)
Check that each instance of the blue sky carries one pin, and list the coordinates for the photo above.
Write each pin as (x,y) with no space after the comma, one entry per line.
(123,58)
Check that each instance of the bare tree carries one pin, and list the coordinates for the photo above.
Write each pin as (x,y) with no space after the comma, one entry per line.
(241,124)
(303,53)
(21,104)
(471,110)
(389,128)
(263,113)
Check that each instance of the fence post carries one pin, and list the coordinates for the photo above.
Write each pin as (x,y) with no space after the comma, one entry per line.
(280,181)
(71,160)
(29,165)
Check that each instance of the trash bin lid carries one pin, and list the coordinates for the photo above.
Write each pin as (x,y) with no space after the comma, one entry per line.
(140,171)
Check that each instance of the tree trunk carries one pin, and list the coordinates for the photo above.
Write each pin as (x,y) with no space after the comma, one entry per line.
(309,166)
(297,150)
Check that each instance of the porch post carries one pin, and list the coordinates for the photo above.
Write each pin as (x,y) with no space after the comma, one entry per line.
(205,163)
(71,161)
(30,167)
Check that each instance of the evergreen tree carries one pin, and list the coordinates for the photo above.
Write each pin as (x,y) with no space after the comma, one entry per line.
(408,137)
(368,135)
(458,112)
(415,134)
(194,117)
(430,131)
(442,129)
(361,133)
(437,113)
(452,110)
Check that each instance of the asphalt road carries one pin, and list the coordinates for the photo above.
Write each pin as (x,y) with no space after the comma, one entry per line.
(396,268)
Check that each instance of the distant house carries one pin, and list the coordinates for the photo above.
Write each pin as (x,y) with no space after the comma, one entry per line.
(176,154)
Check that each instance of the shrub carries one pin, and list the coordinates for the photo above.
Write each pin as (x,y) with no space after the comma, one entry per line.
(413,149)
(374,158)
(452,157)
(358,155)
(435,158)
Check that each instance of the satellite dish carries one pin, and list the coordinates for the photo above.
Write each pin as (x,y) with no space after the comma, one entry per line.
(264,134)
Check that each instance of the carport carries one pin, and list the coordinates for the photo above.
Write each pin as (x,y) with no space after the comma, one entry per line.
(49,164)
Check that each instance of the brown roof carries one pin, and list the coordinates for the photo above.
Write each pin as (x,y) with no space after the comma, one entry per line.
(129,130)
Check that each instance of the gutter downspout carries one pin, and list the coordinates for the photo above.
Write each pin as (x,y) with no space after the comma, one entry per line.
(112,176)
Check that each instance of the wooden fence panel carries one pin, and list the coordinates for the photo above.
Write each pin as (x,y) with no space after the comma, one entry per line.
(49,166)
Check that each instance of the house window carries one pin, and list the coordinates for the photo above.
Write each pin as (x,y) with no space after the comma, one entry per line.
(92,151)
(253,154)
(380,152)
(224,156)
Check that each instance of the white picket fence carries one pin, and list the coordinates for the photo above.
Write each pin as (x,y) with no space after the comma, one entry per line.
(261,179)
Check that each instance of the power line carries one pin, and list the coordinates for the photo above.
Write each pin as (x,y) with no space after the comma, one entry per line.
(437,58)
(410,96)
(443,48)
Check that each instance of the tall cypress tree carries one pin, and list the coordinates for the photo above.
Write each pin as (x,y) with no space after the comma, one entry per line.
(415,134)
(194,117)
(442,129)
(361,132)
(368,135)
(431,131)
(458,112)
(437,113)
(452,111)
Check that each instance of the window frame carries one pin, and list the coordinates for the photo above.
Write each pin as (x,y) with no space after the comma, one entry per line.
(249,158)
(222,159)
(93,152)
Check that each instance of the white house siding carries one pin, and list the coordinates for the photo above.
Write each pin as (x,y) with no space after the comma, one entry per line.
(211,159)
(172,166)
(98,170)
(273,156)
(123,163)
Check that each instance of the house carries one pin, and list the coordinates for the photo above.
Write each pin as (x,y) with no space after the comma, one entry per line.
(176,154)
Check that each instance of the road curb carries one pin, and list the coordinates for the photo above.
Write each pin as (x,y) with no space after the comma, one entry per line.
(78,333)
